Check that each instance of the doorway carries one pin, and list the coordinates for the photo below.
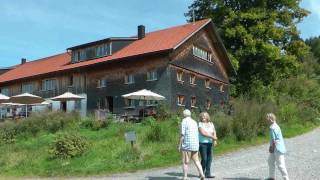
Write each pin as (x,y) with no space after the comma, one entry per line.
(109,104)
(64,106)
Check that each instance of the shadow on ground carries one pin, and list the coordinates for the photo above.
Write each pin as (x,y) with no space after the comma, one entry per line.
(242,178)
(174,176)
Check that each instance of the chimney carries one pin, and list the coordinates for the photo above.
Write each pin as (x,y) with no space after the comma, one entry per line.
(141,31)
(23,60)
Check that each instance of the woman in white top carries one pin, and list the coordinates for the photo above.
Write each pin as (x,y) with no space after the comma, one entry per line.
(207,138)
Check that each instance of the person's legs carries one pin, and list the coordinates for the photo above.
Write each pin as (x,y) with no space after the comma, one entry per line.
(203,155)
(271,163)
(185,162)
(195,158)
(209,160)
(281,165)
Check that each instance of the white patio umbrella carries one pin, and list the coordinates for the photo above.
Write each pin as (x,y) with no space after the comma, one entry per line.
(3,98)
(68,96)
(26,99)
(144,95)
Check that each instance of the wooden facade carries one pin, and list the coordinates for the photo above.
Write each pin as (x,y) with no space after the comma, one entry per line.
(210,80)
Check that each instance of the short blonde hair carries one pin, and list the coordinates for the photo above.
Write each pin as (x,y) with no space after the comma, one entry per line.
(271,116)
(204,115)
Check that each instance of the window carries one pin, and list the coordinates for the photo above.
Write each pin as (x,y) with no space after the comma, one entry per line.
(152,76)
(207,83)
(77,105)
(203,54)
(102,83)
(193,101)
(221,88)
(91,52)
(48,84)
(27,88)
(129,79)
(208,105)
(75,56)
(179,76)
(180,100)
(192,79)
(129,102)
(101,103)
(152,103)
(5,91)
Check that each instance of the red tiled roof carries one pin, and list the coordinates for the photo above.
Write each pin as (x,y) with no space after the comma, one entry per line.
(156,41)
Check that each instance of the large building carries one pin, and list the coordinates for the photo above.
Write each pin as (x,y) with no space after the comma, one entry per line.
(188,64)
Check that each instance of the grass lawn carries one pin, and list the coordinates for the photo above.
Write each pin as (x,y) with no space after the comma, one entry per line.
(108,152)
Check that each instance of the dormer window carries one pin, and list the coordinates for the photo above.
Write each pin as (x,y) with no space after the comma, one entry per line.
(202,54)
(92,52)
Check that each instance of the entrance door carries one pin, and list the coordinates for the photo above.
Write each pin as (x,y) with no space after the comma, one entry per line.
(64,106)
(109,104)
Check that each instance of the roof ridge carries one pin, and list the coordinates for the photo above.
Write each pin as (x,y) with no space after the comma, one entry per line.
(178,26)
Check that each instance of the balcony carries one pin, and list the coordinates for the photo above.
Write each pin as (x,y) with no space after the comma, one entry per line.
(56,92)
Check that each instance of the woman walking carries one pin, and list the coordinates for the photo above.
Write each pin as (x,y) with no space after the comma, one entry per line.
(207,138)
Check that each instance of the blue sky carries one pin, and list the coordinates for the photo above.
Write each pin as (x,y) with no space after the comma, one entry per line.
(39,28)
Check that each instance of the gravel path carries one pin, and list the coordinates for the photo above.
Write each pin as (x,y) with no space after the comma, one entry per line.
(302,160)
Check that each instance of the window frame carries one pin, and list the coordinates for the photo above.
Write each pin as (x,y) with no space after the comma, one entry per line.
(5,91)
(192,79)
(202,54)
(193,102)
(221,88)
(28,85)
(128,80)
(152,75)
(179,99)
(101,83)
(180,76)
(129,103)
(44,86)
(207,83)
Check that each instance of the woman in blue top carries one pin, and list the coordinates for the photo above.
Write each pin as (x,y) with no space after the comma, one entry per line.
(207,137)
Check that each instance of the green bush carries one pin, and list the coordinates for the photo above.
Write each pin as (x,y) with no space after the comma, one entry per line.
(95,124)
(149,121)
(8,133)
(68,145)
(163,112)
(47,121)
(223,124)
(246,117)
(156,133)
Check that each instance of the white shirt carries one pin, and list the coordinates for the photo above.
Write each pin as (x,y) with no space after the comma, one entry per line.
(208,128)
(189,130)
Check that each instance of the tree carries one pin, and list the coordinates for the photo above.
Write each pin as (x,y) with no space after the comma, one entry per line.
(314,43)
(260,35)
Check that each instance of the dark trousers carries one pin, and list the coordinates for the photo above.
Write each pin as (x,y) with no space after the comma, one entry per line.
(206,157)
